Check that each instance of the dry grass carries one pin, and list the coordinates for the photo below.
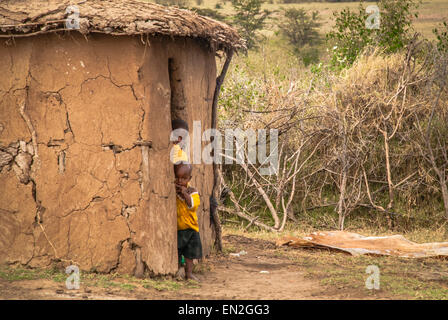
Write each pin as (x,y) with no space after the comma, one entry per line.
(89,279)
(357,101)
(341,273)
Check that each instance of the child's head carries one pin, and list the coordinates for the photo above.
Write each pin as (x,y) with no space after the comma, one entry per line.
(182,171)
(179,124)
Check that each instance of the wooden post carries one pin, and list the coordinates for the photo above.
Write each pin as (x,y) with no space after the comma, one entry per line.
(214,196)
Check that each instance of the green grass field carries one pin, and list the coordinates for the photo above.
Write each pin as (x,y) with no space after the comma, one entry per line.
(431,12)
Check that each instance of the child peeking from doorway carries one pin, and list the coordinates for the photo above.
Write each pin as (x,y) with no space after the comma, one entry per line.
(187,202)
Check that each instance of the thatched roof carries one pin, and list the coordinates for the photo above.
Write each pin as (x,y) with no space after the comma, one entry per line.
(22,18)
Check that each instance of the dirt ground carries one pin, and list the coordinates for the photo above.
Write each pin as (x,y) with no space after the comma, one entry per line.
(262,273)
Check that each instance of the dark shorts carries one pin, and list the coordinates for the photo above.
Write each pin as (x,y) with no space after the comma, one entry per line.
(189,244)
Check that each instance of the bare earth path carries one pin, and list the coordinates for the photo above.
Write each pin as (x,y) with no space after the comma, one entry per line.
(240,278)
(225,277)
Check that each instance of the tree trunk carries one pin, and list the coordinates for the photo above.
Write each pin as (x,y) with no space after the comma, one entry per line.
(445,197)
(389,178)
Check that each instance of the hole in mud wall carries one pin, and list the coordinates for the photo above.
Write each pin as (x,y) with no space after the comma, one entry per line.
(178,101)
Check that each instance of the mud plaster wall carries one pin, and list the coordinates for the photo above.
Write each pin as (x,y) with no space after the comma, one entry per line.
(85,176)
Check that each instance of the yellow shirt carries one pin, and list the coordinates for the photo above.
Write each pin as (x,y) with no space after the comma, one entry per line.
(186,216)
(177,154)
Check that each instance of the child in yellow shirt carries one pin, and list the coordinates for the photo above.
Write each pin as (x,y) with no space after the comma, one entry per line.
(187,202)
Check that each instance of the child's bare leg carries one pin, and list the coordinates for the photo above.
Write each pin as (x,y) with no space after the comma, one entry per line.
(189,269)
(181,269)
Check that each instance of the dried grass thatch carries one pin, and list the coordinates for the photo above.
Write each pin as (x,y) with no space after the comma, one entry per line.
(21,18)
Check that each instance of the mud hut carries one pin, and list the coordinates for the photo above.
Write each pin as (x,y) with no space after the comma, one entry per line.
(85,119)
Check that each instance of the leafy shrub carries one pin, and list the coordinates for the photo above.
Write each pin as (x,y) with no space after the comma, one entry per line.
(442,37)
(300,27)
(249,18)
(350,35)
(396,24)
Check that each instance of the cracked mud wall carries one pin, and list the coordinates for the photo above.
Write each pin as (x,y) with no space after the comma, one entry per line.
(85,176)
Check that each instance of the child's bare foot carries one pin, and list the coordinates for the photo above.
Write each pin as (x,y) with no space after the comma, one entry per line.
(180,273)
(191,277)
(189,270)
